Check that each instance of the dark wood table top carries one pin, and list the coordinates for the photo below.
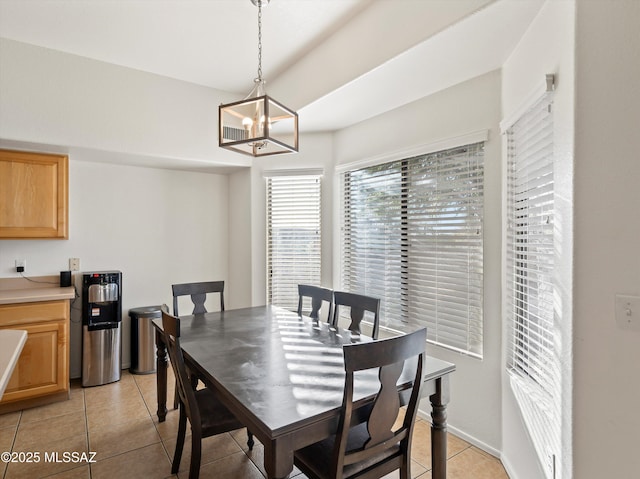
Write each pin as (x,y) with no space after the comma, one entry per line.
(282,368)
(281,373)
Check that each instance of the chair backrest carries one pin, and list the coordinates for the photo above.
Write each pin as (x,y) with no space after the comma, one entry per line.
(171,333)
(358,304)
(317,295)
(198,293)
(378,441)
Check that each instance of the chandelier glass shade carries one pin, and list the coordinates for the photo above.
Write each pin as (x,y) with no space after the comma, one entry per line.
(258,125)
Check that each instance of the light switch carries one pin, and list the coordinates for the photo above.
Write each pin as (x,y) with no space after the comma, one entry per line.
(628,311)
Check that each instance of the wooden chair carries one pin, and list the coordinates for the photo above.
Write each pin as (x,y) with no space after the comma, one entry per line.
(358,304)
(198,293)
(202,407)
(372,449)
(318,295)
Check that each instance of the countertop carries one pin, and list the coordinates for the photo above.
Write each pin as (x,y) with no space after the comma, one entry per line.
(43,288)
(11,343)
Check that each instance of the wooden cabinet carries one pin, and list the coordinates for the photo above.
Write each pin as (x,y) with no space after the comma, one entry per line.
(42,372)
(33,195)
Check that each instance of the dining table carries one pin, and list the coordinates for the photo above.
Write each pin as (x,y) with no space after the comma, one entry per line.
(282,375)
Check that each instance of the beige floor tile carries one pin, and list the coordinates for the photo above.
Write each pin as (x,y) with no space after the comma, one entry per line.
(82,472)
(75,404)
(231,467)
(150,462)
(32,436)
(7,436)
(49,463)
(471,463)
(112,439)
(10,419)
(117,412)
(98,397)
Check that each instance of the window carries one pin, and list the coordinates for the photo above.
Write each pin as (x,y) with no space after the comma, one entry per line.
(412,236)
(293,236)
(533,350)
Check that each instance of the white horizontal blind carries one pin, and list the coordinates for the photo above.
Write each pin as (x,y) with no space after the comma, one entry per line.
(533,360)
(372,240)
(445,212)
(293,237)
(412,236)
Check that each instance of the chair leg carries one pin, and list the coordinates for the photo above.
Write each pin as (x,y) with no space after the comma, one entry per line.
(250,441)
(176,397)
(182,432)
(405,467)
(196,453)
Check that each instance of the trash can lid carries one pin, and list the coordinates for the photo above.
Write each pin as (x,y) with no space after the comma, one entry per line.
(146,312)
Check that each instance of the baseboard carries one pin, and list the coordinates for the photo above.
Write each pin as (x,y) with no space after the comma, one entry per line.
(465,437)
(507,467)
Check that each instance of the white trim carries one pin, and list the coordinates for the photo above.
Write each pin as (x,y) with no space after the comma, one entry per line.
(438,145)
(293,172)
(541,88)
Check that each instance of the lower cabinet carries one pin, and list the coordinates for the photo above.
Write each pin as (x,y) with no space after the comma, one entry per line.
(42,372)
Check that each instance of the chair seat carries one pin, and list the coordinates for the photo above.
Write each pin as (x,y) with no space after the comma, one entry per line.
(317,457)
(216,418)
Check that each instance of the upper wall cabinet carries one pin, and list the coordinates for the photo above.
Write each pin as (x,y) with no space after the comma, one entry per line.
(34,195)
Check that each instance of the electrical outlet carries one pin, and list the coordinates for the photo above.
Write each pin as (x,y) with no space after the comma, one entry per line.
(21,265)
(74,264)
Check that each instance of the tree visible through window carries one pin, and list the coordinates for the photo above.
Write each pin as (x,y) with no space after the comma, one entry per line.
(412,236)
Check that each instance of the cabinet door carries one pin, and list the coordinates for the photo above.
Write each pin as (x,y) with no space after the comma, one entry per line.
(33,195)
(43,367)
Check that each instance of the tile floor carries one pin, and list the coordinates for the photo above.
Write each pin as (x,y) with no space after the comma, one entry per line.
(118,423)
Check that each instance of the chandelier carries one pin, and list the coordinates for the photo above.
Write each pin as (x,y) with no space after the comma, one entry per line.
(258,125)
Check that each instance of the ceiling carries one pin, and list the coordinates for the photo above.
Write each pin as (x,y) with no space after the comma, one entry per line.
(349,59)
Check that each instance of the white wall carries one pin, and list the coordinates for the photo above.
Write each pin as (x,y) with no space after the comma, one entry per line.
(156,226)
(547,47)
(606,430)
(55,98)
(474,411)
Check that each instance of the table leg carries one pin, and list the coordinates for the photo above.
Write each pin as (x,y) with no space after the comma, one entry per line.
(278,459)
(439,402)
(161,376)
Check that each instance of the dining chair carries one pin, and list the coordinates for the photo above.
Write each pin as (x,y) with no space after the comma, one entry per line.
(318,295)
(201,407)
(373,449)
(198,293)
(358,304)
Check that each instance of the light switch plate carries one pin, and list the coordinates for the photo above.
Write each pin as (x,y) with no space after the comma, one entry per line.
(628,311)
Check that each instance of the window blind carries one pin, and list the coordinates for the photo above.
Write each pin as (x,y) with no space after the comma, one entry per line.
(533,350)
(412,236)
(293,236)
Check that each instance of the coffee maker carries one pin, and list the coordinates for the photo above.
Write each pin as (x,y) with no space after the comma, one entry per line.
(101,327)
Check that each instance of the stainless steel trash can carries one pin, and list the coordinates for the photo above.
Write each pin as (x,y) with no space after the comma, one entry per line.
(143,344)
